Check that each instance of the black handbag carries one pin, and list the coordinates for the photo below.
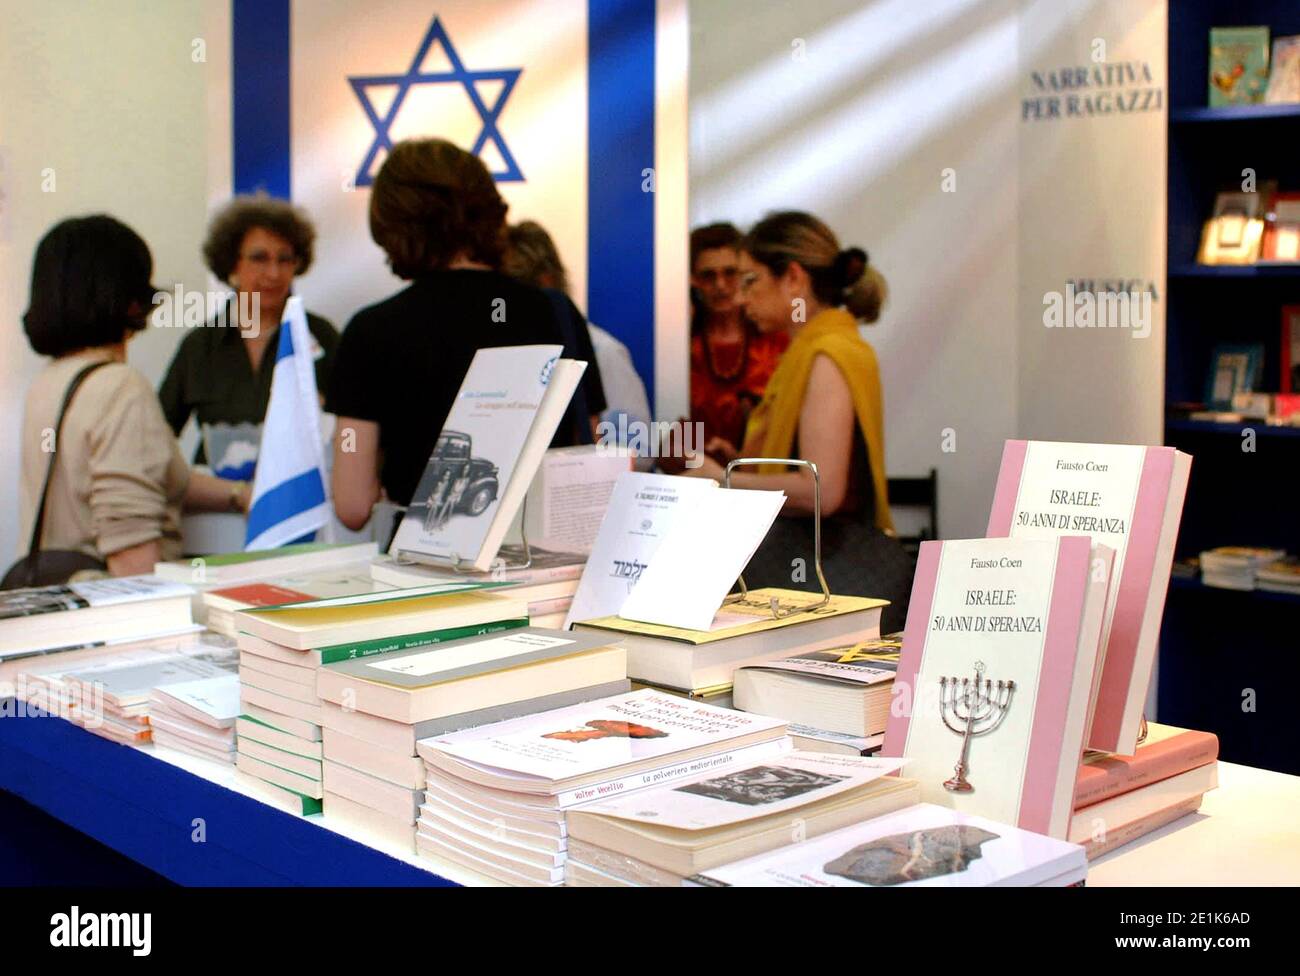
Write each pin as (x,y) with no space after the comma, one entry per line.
(45,567)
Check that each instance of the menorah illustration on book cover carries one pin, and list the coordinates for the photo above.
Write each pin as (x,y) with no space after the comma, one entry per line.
(972,708)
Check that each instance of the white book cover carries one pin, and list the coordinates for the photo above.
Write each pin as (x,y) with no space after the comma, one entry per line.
(509,405)
(922,846)
(996,675)
(641,511)
(793,781)
(568,498)
(137,679)
(701,557)
(216,697)
(608,733)
(91,593)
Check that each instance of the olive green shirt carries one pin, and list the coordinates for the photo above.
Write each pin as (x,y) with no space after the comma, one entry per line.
(212,377)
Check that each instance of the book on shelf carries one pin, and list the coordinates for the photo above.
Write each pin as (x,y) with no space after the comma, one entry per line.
(69,614)
(1236,567)
(388,798)
(509,405)
(197,716)
(742,633)
(1093,826)
(130,686)
(642,509)
(351,650)
(472,673)
(843,689)
(280,797)
(278,775)
(1235,368)
(257,730)
(1234,233)
(369,823)
(379,616)
(1238,69)
(661,836)
(1165,752)
(1129,498)
(920,846)
(1002,643)
(348,579)
(237,567)
(1284,72)
(1280,576)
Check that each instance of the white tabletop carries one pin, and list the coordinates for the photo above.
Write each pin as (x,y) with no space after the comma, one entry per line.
(1246,833)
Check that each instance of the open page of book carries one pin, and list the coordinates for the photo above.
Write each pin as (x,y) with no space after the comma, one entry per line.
(568,498)
(641,511)
(509,405)
(700,558)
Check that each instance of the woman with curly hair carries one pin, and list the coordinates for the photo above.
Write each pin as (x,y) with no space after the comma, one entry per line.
(221,373)
(436,212)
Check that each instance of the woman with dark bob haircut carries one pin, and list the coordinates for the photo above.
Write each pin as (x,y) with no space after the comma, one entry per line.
(436,213)
(119,480)
(220,373)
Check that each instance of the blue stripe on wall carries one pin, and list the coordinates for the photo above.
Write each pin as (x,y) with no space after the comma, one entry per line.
(259,33)
(620,146)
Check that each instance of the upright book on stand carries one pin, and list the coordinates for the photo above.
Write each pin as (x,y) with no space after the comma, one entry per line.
(1126,497)
(509,405)
(991,698)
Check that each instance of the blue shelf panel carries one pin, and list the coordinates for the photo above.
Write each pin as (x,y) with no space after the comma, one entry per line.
(146,809)
(1194,584)
(1260,428)
(1192,270)
(1233,113)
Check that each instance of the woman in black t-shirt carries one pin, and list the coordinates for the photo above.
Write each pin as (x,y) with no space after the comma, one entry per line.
(436,212)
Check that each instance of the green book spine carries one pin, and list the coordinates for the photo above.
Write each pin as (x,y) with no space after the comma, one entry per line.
(348,652)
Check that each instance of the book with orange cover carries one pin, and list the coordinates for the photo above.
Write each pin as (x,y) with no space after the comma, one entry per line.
(1167,751)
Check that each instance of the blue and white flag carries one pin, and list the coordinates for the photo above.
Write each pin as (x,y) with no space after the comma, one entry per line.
(289,497)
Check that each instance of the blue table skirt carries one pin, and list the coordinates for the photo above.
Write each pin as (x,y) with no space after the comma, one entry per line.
(172,822)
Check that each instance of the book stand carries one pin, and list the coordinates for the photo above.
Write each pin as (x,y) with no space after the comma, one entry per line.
(405,557)
(779,610)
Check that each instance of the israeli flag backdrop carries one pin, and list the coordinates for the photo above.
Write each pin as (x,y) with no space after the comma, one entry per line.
(289,501)
(578,107)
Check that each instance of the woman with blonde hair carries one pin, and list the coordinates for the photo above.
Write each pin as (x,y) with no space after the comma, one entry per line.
(823,404)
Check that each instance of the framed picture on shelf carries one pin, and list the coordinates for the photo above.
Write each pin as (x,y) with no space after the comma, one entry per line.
(1290,381)
(1233,233)
(1233,369)
(1282,231)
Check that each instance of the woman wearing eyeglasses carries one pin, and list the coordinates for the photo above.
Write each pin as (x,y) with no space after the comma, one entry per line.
(222,372)
(731,360)
(822,404)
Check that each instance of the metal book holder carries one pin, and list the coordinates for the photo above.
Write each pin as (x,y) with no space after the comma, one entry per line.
(972,708)
(780,611)
(407,557)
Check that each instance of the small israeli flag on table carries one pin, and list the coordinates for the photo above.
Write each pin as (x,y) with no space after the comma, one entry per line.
(289,498)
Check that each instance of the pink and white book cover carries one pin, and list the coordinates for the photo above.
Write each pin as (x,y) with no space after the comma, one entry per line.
(991,700)
(1124,496)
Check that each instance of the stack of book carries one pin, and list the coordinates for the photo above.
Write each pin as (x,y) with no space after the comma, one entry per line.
(662,836)
(375,708)
(73,616)
(221,604)
(281,648)
(836,700)
(547,584)
(1281,576)
(197,717)
(497,796)
(702,663)
(1118,799)
(1236,567)
(203,573)
(922,846)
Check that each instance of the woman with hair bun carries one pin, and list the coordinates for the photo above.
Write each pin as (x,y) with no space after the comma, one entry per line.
(823,404)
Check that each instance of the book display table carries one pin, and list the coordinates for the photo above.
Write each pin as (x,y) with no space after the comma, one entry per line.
(188,820)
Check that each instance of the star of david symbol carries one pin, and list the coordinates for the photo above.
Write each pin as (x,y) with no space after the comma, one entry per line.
(458,75)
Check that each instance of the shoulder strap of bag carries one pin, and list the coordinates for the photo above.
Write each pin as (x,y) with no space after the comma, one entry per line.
(38,526)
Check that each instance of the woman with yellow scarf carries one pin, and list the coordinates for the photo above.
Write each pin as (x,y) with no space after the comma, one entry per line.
(823,404)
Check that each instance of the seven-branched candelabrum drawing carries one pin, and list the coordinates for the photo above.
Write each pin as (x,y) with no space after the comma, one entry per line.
(972,708)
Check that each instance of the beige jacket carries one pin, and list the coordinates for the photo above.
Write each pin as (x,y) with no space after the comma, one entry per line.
(119,477)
